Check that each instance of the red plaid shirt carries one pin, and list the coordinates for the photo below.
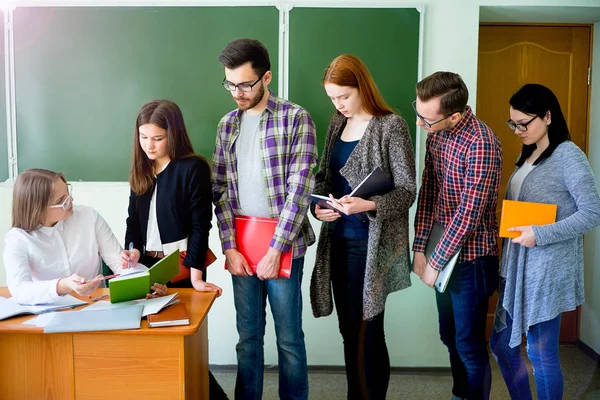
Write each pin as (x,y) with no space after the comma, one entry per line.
(460,185)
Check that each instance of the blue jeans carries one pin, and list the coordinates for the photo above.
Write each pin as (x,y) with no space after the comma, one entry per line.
(542,349)
(462,311)
(285,298)
(365,351)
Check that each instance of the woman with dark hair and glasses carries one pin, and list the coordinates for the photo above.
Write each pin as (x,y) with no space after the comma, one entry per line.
(54,246)
(542,269)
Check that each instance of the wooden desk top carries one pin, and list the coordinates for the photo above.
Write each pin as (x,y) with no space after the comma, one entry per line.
(197,304)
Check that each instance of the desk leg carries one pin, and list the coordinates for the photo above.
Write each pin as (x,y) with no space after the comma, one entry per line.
(196,364)
(36,366)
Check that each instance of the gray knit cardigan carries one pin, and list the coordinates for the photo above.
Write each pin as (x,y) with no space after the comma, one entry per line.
(386,143)
(539,283)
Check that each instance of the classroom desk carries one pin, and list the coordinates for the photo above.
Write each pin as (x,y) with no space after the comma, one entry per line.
(147,363)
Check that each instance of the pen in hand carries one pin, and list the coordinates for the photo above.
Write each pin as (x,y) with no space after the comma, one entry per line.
(130,250)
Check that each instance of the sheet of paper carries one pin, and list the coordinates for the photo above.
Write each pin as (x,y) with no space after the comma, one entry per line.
(63,302)
(131,272)
(41,320)
(151,306)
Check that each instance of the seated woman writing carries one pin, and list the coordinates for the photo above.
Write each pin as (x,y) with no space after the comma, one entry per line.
(54,246)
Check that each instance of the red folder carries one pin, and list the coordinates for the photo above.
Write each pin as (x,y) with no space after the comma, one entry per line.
(253,236)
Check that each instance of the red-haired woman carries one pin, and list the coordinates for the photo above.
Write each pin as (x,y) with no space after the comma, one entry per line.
(363,259)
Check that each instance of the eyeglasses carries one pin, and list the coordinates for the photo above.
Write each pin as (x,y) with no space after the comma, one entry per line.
(243,87)
(67,202)
(428,125)
(522,127)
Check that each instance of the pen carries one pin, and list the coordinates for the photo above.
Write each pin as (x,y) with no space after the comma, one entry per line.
(56,309)
(130,250)
(108,276)
(100,297)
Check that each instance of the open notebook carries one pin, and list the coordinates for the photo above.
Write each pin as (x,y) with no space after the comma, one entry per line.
(150,306)
(136,284)
(10,308)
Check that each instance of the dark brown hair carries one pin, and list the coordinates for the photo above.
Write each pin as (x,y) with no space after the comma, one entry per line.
(348,70)
(240,51)
(535,99)
(32,195)
(166,115)
(449,87)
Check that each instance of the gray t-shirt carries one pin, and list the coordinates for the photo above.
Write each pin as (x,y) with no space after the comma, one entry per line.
(518,177)
(251,182)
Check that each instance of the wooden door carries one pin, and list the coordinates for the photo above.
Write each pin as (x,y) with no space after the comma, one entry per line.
(557,56)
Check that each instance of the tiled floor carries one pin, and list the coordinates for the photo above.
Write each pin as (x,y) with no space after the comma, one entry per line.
(581,374)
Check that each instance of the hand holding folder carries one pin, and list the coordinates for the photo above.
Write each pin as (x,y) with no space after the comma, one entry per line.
(253,237)
(522,213)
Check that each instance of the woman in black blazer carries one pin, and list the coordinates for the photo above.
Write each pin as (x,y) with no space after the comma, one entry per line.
(170,204)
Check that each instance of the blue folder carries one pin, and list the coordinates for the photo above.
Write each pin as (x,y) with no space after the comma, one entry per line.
(96,320)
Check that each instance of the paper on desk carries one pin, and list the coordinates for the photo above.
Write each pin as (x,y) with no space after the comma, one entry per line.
(151,306)
(63,301)
(40,320)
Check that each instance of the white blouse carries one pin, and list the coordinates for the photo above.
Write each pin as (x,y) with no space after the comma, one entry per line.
(36,260)
(153,242)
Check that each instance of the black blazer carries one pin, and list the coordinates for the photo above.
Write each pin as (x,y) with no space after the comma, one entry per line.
(183,210)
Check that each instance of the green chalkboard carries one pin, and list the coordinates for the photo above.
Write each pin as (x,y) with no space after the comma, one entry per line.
(386,40)
(83,73)
(3,133)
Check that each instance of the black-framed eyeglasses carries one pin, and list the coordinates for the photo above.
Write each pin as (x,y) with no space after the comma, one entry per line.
(428,125)
(243,87)
(521,127)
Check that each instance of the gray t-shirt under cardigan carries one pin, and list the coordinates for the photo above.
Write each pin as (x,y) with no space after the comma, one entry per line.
(539,283)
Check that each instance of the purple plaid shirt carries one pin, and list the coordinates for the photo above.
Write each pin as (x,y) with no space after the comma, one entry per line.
(289,153)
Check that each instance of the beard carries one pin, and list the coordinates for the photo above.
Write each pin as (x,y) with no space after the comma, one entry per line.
(252,102)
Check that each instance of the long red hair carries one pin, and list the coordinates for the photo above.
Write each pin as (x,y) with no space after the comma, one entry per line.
(349,70)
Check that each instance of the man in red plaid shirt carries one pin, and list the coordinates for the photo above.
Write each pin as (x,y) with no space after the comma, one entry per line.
(463,165)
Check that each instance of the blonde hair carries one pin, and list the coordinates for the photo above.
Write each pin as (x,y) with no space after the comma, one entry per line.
(32,196)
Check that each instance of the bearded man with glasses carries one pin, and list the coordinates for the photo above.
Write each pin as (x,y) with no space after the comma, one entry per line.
(263,162)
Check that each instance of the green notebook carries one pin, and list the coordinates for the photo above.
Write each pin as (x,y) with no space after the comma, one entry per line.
(137,285)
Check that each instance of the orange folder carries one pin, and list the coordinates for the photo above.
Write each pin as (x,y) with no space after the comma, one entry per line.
(253,236)
(184,272)
(523,213)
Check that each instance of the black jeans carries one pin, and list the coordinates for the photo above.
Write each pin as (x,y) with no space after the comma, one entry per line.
(462,311)
(215,391)
(365,351)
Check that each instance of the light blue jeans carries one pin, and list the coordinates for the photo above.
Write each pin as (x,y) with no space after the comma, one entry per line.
(285,299)
(542,349)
